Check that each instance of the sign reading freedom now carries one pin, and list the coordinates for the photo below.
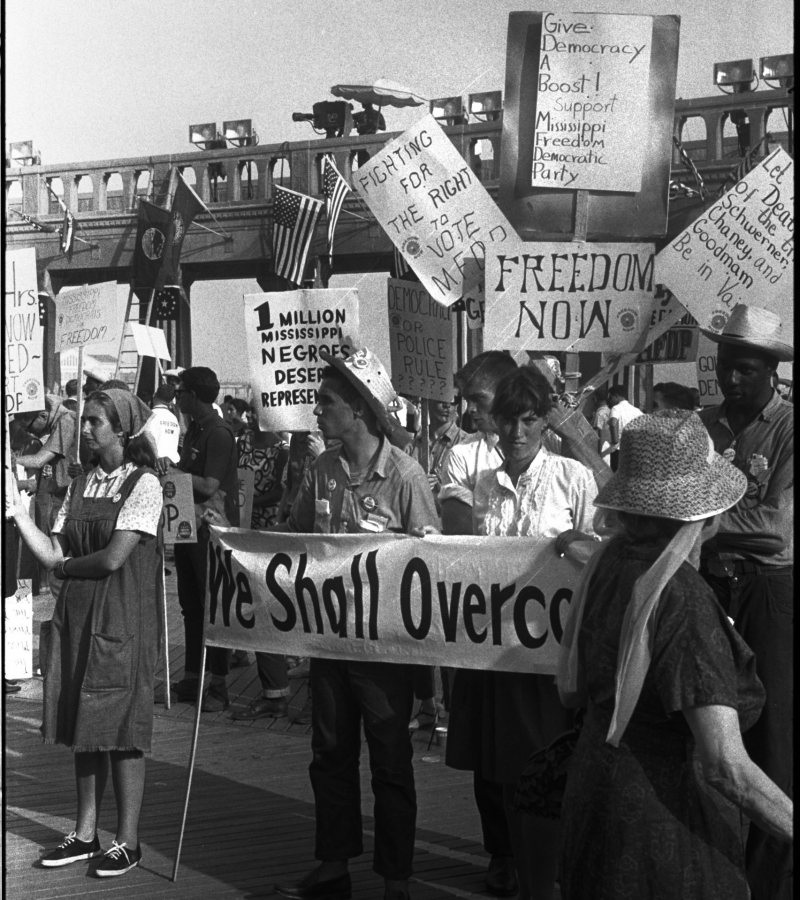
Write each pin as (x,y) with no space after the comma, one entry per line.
(473,602)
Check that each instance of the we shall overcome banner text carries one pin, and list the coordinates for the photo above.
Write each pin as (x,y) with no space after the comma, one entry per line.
(474,602)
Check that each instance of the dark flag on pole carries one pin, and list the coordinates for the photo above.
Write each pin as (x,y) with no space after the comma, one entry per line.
(185,206)
(295,218)
(151,244)
(334,189)
(67,232)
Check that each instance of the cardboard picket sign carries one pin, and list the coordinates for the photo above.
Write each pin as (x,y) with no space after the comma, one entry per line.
(740,250)
(18,636)
(432,206)
(90,316)
(150,341)
(286,331)
(473,602)
(178,514)
(23,374)
(706,365)
(246,481)
(421,342)
(570,296)
(592,101)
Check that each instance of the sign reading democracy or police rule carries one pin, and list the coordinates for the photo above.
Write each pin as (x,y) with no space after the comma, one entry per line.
(24,384)
(432,206)
(421,342)
(89,317)
(480,603)
(592,101)
(286,331)
(741,250)
(178,512)
(572,295)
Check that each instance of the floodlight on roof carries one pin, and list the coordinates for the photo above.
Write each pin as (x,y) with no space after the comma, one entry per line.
(779,69)
(21,153)
(737,74)
(203,135)
(239,132)
(486,106)
(448,110)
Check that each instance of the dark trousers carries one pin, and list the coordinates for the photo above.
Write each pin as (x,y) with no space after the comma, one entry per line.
(273,674)
(190,569)
(380,694)
(761,606)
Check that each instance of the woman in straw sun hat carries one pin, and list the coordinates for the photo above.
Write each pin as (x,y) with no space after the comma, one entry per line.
(660,777)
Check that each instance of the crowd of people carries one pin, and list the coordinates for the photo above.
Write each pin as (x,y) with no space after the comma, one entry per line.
(676,666)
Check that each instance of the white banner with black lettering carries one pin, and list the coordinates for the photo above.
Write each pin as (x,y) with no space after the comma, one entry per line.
(472,602)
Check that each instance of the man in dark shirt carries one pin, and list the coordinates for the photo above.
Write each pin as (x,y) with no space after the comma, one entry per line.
(749,563)
(209,456)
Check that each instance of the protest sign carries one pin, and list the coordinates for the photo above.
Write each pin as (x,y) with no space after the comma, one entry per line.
(591,107)
(24,384)
(569,296)
(432,206)
(707,385)
(285,333)
(741,250)
(90,316)
(18,632)
(479,603)
(421,340)
(149,341)
(178,514)
(677,345)
(246,481)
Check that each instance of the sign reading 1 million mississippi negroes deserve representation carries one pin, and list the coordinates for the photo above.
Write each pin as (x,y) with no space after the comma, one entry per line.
(23,388)
(433,207)
(741,250)
(286,332)
(570,295)
(89,317)
(591,101)
(421,342)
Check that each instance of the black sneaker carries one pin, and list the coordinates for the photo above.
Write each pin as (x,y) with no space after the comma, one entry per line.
(118,860)
(71,850)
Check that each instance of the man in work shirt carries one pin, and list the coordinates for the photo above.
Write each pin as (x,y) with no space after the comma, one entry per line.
(365,485)
(749,563)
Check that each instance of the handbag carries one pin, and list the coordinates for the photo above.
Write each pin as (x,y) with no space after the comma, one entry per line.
(541,785)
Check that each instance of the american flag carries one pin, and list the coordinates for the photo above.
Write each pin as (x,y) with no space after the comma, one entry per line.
(35,223)
(295,218)
(334,189)
(687,161)
(401,267)
(166,303)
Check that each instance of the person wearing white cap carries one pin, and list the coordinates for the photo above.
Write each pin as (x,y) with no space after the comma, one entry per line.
(750,562)
(660,782)
(363,486)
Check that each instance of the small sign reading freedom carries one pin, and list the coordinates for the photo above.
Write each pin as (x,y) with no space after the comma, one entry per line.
(591,102)
(89,317)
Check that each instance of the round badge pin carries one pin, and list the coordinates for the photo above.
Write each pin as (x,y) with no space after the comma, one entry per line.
(368,503)
(331,484)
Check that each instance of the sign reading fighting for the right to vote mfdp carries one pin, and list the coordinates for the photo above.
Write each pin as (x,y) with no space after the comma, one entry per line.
(286,332)
(473,602)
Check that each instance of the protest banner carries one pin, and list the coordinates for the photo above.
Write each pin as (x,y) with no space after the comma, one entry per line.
(677,345)
(570,296)
(592,100)
(246,481)
(149,341)
(285,333)
(178,514)
(23,378)
(741,250)
(90,316)
(18,632)
(421,341)
(432,206)
(474,602)
(707,385)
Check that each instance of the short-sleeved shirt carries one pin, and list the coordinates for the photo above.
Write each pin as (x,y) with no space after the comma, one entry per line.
(209,450)
(465,462)
(391,495)
(760,526)
(553,494)
(140,512)
(163,428)
(444,439)
(60,441)
(623,413)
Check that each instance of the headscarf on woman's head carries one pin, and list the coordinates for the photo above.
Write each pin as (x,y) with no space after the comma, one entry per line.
(132,411)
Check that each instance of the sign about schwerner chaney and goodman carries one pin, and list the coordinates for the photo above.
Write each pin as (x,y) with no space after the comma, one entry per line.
(473,602)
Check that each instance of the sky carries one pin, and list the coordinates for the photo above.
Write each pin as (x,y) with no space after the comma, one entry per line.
(91,80)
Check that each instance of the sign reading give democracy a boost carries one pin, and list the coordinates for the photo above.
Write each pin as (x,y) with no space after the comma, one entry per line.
(473,602)
(286,331)
(433,207)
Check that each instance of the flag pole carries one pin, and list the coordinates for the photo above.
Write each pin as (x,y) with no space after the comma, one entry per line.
(80,406)
(124,326)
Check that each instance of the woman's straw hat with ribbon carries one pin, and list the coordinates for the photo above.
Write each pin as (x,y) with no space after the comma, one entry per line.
(365,372)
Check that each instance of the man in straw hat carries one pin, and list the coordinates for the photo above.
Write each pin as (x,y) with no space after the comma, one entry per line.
(364,485)
(750,562)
